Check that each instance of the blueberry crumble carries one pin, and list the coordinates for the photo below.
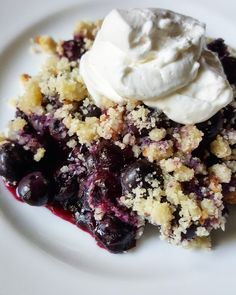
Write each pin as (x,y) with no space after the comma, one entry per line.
(115,166)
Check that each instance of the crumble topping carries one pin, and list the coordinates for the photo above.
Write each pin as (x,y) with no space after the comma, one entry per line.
(46,43)
(157,134)
(157,151)
(188,138)
(16,125)
(39,154)
(220,147)
(31,100)
(222,172)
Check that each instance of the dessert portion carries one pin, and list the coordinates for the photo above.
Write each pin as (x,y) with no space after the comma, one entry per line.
(132,121)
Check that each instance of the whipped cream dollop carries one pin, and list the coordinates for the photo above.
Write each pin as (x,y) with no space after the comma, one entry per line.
(160,58)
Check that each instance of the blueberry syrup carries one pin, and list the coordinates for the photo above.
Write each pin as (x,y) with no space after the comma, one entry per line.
(59,212)
(56,211)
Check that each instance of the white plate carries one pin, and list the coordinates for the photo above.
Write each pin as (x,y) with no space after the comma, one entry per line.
(42,254)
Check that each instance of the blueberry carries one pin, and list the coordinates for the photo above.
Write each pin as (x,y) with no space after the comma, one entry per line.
(115,235)
(218,46)
(106,155)
(73,49)
(33,189)
(102,188)
(211,160)
(128,155)
(65,190)
(14,161)
(229,65)
(211,127)
(136,173)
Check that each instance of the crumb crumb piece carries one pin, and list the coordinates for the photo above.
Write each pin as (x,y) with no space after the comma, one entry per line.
(174,192)
(132,104)
(87,29)
(169,165)
(64,169)
(231,165)
(98,213)
(230,136)
(136,150)
(111,123)
(157,134)
(188,138)
(64,112)
(214,185)
(129,139)
(85,130)
(183,173)
(24,78)
(190,211)
(157,151)
(139,117)
(220,147)
(39,154)
(70,88)
(71,143)
(31,100)
(120,144)
(88,131)
(46,43)
(150,207)
(17,125)
(208,207)
(222,172)
(161,214)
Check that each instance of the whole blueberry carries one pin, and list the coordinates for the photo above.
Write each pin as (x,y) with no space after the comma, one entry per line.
(102,187)
(14,161)
(135,174)
(115,235)
(106,155)
(229,65)
(33,189)
(211,127)
(218,46)
(65,190)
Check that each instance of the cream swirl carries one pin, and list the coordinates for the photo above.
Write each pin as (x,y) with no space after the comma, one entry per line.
(158,57)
